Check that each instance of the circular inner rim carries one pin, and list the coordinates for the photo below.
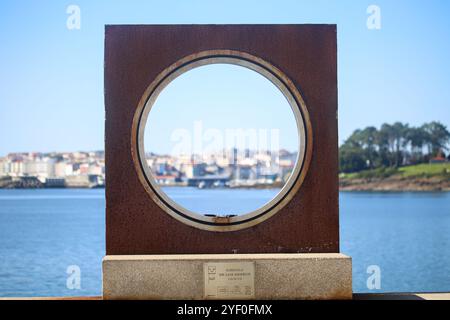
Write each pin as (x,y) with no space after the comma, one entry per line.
(269,75)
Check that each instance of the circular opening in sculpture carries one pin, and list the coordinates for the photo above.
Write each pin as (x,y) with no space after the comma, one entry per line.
(222,140)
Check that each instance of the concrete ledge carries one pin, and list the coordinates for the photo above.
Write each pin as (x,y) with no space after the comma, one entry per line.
(357,296)
(276,276)
(401,296)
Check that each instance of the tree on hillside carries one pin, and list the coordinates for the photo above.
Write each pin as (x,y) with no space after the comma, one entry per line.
(401,141)
(437,137)
(368,139)
(393,145)
(386,142)
(351,154)
(417,138)
(351,158)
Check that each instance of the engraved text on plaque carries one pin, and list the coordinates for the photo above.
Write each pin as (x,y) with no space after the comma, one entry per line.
(229,280)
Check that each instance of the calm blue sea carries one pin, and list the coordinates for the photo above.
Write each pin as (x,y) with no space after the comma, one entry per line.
(43,232)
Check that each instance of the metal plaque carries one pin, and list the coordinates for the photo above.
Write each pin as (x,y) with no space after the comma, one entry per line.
(229,280)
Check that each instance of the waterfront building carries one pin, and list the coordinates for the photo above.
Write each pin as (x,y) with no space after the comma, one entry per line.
(95,169)
(166,179)
(41,168)
(4,167)
(60,169)
(16,168)
(194,170)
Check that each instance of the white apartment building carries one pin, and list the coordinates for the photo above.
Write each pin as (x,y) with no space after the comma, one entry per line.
(63,169)
(16,168)
(4,167)
(41,168)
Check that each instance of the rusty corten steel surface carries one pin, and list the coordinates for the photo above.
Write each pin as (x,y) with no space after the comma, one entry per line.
(135,55)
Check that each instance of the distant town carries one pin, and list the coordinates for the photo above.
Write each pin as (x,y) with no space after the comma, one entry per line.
(53,170)
(227,169)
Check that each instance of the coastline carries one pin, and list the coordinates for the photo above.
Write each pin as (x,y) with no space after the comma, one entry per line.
(391,184)
(396,184)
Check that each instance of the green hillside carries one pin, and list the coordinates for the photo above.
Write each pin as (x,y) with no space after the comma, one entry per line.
(420,170)
(429,170)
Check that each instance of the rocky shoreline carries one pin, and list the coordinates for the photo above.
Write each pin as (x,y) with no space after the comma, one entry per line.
(390,184)
(396,184)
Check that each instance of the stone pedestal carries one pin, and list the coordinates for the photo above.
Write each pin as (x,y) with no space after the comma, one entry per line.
(223,276)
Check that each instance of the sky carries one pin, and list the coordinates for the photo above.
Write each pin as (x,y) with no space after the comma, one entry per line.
(220,106)
(51,77)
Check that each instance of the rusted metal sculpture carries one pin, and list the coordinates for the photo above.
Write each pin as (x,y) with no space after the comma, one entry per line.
(302,58)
